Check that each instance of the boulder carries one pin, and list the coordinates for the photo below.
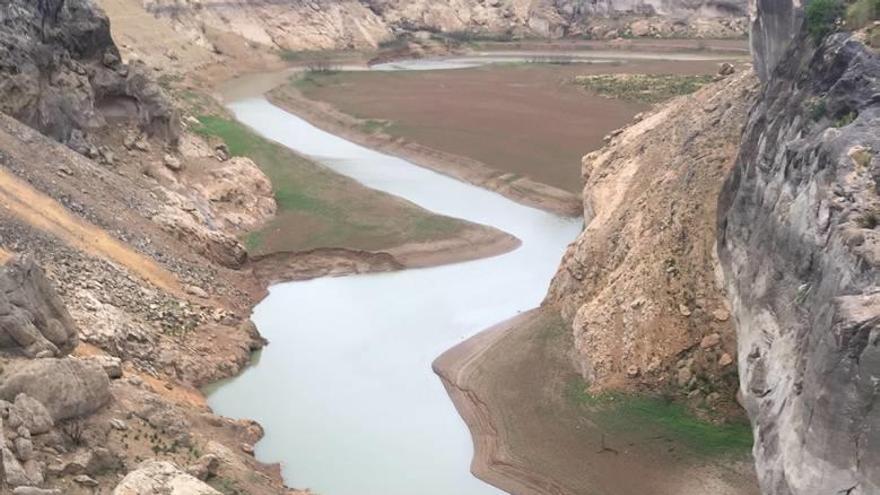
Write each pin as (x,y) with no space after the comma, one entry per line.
(110,364)
(33,318)
(32,415)
(68,387)
(205,467)
(154,476)
(32,490)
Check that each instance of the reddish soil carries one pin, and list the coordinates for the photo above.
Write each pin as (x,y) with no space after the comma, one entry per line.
(520,118)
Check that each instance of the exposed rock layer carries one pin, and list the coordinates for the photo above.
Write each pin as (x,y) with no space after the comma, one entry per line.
(308,24)
(774,23)
(61,73)
(801,251)
(32,316)
(637,285)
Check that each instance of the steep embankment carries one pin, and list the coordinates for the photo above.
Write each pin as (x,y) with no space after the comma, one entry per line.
(304,25)
(799,245)
(638,285)
(641,306)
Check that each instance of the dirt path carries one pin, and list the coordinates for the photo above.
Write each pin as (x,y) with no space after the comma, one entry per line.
(43,212)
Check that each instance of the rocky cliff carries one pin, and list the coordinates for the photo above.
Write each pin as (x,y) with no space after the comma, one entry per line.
(60,73)
(638,285)
(323,24)
(799,244)
(773,25)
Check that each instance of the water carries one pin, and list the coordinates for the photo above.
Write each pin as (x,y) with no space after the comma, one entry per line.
(345,390)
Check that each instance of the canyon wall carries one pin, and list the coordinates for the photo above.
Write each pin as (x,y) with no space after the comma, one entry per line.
(638,284)
(773,25)
(800,249)
(61,73)
(326,24)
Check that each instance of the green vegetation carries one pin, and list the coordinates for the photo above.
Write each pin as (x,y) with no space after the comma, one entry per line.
(817,109)
(846,119)
(861,13)
(645,88)
(821,17)
(372,126)
(226,486)
(869,219)
(626,411)
(319,208)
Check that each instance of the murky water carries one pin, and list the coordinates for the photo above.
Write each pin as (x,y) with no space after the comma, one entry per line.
(345,390)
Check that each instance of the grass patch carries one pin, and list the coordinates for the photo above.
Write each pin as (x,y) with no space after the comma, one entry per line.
(372,126)
(644,88)
(626,411)
(817,109)
(319,208)
(861,13)
(846,119)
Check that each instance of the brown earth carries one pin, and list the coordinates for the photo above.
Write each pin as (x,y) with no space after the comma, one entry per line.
(638,286)
(534,435)
(523,119)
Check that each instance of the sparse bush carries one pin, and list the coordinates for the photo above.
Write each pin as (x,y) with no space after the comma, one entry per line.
(869,219)
(74,431)
(861,13)
(817,109)
(846,119)
(646,88)
(821,17)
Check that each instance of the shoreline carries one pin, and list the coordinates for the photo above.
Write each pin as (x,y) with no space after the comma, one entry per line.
(519,189)
(283,267)
(492,461)
(511,384)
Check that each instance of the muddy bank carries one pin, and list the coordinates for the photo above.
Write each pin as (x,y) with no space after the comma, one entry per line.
(536,432)
(519,189)
(337,262)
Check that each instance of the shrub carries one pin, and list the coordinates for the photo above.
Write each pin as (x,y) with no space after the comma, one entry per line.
(821,16)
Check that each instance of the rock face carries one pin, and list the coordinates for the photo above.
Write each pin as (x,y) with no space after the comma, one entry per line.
(153,477)
(637,286)
(68,387)
(800,248)
(32,316)
(306,24)
(61,73)
(774,23)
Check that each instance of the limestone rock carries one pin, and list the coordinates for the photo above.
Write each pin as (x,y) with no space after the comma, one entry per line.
(32,316)
(710,341)
(804,297)
(640,293)
(32,414)
(172,162)
(31,490)
(110,364)
(68,387)
(152,477)
(58,80)
(205,467)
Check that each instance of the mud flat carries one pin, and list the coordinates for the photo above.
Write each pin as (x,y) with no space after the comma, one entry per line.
(536,431)
(518,126)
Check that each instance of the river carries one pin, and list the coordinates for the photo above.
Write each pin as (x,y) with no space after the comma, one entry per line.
(345,389)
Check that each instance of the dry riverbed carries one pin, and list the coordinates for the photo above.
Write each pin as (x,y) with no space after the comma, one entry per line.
(537,430)
(525,121)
